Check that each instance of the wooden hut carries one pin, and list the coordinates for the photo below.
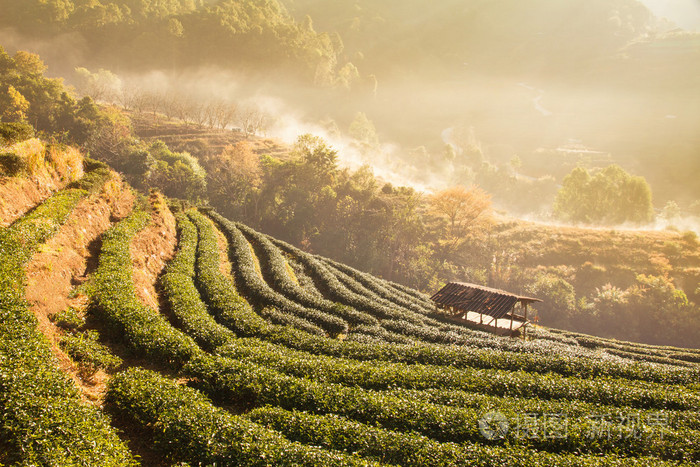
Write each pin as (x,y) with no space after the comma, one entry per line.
(485,308)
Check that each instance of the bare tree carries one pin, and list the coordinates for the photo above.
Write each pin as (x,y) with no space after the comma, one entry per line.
(224,113)
(170,104)
(209,111)
(153,102)
(128,97)
(197,111)
(181,110)
(254,120)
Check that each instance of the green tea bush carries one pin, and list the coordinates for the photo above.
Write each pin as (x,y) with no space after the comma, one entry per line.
(275,271)
(471,348)
(85,349)
(182,295)
(42,418)
(357,287)
(227,306)
(369,375)
(69,319)
(113,301)
(676,419)
(228,380)
(332,287)
(378,334)
(185,427)
(280,318)
(378,287)
(338,433)
(93,180)
(257,290)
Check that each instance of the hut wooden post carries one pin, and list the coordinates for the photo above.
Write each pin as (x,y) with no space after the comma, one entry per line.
(512,312)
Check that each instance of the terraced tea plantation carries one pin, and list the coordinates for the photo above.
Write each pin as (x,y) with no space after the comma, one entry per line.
(263,354)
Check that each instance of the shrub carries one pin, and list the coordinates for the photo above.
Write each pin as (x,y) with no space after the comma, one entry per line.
(14,132)
(42,418)
(12,164)
(29,156)
(85,349)
(185,427)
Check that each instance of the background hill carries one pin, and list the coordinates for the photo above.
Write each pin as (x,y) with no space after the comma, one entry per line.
(139,325)
(133,343)
(503,78)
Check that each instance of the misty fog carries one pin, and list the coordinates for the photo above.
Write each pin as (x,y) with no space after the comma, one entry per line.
(551,110)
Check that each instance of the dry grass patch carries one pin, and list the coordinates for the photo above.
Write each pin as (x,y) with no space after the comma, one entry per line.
(151,248)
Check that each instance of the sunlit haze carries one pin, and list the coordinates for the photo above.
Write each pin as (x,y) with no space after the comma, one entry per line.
(685,13)
(350,233)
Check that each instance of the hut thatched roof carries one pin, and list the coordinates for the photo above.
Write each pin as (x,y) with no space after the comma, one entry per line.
(465,297)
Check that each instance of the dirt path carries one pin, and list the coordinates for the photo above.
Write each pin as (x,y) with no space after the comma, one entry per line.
(72,254)
(222,243)
(50,169)
(151,249)
(62,263)
(18,194)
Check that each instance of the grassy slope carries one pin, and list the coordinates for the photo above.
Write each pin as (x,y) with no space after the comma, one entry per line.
(618,255)
(177,421)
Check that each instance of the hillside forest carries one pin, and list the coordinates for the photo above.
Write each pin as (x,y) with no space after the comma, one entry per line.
(617,283)
(223,223)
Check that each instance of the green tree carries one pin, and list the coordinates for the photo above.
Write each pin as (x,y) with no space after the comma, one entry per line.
(609,196)
(362,129)
(663,313)
(317,155)
(559,299)
(29,64)
(572,200)
(671,212)
(462,216)
(613,314)
(43,102)
(101,85)
(177,175)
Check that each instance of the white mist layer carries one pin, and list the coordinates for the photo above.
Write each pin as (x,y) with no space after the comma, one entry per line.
(384,160)
(682,223)
(387,161)
(283,123)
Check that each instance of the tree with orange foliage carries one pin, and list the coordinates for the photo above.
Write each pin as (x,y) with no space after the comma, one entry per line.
(465,210)
(16,106)
(462,214)
(234,175)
